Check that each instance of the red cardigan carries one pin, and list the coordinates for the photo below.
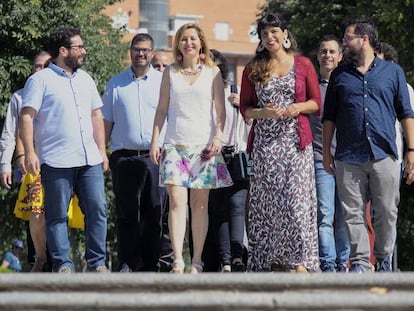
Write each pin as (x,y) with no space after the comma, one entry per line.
(306,88)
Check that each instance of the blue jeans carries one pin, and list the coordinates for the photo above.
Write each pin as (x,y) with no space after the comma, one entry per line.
(87,182)
(333,241)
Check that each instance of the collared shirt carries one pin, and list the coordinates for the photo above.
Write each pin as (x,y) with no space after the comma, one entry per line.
(130,104)
(14,262)
(63,130)
(9,133)
(364,108)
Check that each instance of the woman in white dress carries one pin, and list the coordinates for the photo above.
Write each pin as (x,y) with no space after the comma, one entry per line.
(191,90)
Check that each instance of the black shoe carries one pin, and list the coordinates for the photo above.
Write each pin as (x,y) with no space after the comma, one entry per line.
(384,265)
(237,265)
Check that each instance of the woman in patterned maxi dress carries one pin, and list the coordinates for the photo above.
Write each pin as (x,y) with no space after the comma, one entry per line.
(279,89)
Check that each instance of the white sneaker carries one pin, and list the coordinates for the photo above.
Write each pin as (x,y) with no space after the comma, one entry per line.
(125,268)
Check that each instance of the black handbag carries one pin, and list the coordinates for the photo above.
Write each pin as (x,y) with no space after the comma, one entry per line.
(240,166)
(238,161)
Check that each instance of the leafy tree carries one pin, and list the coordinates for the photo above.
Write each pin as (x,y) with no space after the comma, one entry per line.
(24,28)
(311,19)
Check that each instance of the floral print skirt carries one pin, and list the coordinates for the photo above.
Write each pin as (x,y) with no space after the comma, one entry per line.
(184,166)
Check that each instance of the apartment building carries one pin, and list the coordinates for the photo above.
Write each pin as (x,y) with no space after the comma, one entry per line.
(229,25)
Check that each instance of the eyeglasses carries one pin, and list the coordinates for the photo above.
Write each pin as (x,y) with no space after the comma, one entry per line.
(78,47)
(347,38)
(144,51)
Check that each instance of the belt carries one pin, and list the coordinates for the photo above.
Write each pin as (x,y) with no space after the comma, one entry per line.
(130,153)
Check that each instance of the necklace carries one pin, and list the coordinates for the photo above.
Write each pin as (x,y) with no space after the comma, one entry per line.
(190,72)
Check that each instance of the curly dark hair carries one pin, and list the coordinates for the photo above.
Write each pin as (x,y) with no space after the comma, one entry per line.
(59,38)
(390,53)
(260,64)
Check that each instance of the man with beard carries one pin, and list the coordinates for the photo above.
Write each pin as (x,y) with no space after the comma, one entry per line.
(130,101)
(363,99)
(61,113)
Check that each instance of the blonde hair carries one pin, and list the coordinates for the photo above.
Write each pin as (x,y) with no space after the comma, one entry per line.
(204,46)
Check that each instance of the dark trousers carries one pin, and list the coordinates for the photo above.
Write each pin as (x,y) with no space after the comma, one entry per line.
(227,210)
(140,202)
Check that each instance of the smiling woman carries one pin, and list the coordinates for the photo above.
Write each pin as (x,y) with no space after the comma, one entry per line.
(190,158)
(279,89)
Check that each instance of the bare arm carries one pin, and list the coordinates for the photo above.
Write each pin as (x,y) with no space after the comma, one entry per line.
(408,128)
(160,116)
(26,134)
(328,159)
(99,135)
(108,125)
(218,99)
(20,156)
(5,264)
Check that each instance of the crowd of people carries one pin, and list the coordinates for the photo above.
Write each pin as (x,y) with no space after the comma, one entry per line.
(321,148)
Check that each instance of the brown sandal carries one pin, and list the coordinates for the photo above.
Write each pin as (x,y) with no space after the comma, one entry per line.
(301,269)
(178,266)
(196,268)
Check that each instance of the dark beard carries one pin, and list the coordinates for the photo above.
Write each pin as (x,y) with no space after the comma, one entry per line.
(72,62)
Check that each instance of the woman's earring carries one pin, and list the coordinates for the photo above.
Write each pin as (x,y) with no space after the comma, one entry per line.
(260,47)
(179,57)
(202,56)
(286,43)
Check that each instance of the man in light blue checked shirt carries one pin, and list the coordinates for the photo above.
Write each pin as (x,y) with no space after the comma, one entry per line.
(61,113)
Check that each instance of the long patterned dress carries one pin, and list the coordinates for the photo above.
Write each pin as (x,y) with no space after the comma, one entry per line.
(282,218)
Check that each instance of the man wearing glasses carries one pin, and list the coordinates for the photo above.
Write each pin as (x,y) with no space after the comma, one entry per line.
(363,99)
(130,101)
(62,114)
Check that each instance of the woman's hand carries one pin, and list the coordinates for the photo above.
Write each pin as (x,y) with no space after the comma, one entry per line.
(155,154)
(292,111)
(234,99)
(215,147)
(271,111)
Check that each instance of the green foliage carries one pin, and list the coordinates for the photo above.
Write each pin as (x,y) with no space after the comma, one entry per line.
(24,28)
(405,227)
(311,19)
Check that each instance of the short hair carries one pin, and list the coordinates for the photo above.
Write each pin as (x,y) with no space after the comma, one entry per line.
(390,53)
(59,38)
(204,45)
(142,37)
(222,63)
(326,38)
(366,28)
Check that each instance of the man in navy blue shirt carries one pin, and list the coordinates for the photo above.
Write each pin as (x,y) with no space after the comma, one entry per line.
(363,100)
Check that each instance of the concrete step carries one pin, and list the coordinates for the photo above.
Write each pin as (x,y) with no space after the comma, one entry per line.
(208,291)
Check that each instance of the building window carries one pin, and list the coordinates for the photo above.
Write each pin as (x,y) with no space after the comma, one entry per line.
(120,20)
(222,31)
(180,19)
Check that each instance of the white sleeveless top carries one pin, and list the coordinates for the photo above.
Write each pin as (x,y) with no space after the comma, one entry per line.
(190,112)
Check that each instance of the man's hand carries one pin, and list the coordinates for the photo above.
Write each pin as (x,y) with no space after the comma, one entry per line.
(32,163)
(6,180)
